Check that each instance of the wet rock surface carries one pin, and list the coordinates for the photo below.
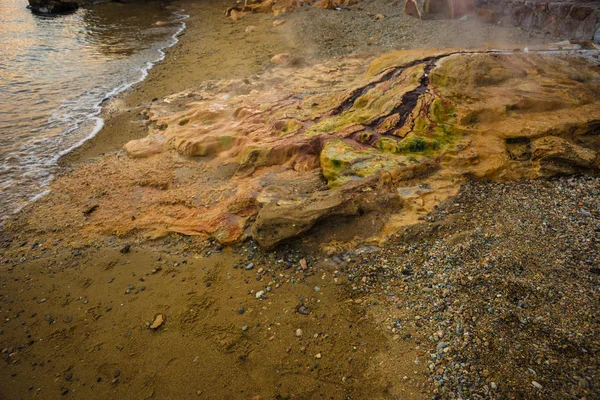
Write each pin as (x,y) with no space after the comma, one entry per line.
(53,6)
(388,139)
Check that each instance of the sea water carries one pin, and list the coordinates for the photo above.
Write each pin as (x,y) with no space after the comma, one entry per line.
(55,74)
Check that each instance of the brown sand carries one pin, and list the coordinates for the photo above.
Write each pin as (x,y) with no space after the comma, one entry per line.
(73,327)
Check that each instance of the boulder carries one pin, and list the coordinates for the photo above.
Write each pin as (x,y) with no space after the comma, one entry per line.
(52,6)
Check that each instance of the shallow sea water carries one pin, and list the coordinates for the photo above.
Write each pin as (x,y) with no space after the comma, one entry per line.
(55,73)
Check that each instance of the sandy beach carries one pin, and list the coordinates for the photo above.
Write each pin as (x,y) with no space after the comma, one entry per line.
(490,295)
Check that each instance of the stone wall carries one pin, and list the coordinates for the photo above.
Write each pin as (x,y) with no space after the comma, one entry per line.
(569,19)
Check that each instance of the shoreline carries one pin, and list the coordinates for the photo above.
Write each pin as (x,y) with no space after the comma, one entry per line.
(101,108)
(172,74)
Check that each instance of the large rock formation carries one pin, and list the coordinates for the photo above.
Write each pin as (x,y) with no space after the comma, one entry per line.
(570,19)
(374,144)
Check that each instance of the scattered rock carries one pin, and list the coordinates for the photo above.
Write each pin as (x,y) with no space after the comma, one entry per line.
(281,59)
(52,6)
(302,309)
(303,264)
(158,321)
(91,208)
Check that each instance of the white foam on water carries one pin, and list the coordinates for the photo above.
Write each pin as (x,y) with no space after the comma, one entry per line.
(93,117)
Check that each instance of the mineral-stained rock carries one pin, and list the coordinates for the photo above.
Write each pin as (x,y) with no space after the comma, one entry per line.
(382,139)
(144,147)
(560,156)
(573,19)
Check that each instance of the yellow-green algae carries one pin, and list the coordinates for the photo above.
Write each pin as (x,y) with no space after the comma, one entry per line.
(378,101)
(341,163)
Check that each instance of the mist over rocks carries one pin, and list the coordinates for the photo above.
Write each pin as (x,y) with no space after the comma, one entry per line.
(571,19)
(386,142)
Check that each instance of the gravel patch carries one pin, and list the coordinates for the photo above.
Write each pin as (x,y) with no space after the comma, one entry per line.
(501,288)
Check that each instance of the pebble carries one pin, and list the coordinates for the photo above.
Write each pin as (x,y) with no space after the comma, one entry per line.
(302,309)
(245,328)
(318,355)
(537,385)
(249,266)
(299,332)
(442,345)
(158,321)
(260,294)
(241,310)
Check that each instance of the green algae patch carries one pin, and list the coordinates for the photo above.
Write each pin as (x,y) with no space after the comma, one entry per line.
(341,163)
(387,145)
(291,126)
(254,157)
(337,123)
(379,101)
(441,111)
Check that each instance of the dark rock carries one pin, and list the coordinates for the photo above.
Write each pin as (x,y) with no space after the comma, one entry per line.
(302,309)
(580,12)
(53,7)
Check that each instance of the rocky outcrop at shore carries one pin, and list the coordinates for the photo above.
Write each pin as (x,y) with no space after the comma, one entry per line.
(305,145)
(53,6)
(376,145)
(570,19)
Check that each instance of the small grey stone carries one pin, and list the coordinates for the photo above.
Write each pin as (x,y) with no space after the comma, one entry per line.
(442,345)
(249,266)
